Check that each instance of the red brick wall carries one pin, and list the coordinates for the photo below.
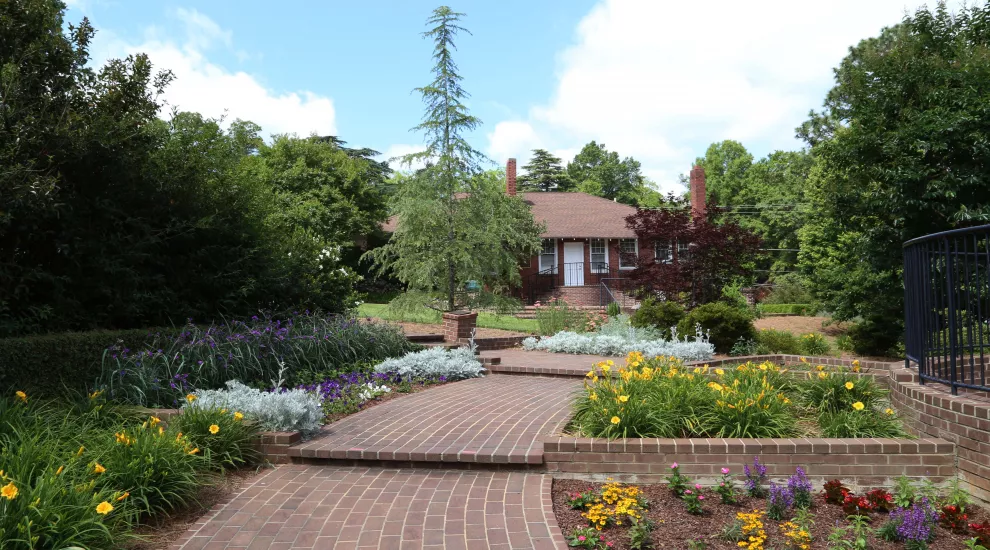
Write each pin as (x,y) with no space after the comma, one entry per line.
(860,463)
(488,344)
(274,446)
(458,326)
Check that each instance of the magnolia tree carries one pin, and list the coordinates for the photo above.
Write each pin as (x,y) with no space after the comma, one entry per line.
(691,259)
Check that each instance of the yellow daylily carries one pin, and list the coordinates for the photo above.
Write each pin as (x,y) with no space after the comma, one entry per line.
(859,405)
(9,491)
(616,420)
(104,508)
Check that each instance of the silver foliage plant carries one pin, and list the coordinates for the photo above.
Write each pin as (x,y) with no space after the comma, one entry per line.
(279,411)
(617,338)
(456,364)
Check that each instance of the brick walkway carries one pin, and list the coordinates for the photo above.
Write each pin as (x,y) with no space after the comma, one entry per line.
(497,419)
(324,507)
(519,361)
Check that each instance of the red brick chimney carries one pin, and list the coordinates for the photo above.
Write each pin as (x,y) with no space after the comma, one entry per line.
(510,177)
(698,193)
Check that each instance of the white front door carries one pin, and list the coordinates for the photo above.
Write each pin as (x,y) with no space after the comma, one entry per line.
(574,264)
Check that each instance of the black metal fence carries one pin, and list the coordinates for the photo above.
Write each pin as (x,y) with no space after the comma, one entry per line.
(947,307)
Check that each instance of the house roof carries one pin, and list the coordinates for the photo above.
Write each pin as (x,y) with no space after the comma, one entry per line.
(580,215)
(572,214)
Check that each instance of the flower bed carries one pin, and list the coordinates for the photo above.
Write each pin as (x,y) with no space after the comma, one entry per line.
(617,338)
(84,474)
(661,397)
(747,511)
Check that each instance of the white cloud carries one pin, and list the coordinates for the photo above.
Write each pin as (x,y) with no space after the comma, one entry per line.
(211,89)
(661,80)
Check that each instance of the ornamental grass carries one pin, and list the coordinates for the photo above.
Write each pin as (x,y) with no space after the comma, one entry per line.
(661,397)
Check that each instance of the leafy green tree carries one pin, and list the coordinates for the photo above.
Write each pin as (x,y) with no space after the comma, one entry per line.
(726,165)
(600,172)
(455,223)
(545,173)
(901,151)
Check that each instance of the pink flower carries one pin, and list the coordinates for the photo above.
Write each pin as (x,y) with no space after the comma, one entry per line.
(610,544)
(701,497)
(687,491)
(721,484)
(672,466)
(725,471)
(697,486)
(601,537)
(581,538)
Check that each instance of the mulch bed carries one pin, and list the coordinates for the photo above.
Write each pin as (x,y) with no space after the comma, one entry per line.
(674,526)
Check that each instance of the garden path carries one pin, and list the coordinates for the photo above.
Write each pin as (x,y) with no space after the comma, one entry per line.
(497,419)
(324,507)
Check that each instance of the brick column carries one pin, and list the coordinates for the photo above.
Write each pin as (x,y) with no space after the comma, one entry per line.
(698,193)
(458,324)
(510,177)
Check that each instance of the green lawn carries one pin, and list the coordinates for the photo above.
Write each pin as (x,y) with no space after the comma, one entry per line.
(429,316)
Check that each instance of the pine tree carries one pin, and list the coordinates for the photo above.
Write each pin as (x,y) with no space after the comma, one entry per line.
(545,173)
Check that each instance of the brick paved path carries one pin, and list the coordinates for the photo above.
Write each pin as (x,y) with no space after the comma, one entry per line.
(519,361)
(327,507)
(495,419)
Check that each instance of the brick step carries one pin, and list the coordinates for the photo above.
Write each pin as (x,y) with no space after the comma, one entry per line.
(424,338)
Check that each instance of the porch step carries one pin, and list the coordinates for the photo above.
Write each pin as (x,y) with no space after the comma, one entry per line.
(424,338)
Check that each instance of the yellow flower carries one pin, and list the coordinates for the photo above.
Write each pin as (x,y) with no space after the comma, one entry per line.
(820,368)
(238,416)
(155,420)
(590,373)
(822,375)
(98,468)
(104,508)
(123,496)
(80,451)
(889,411)
(719,372)
(161,431)
(214,429)
(858,405)
(95,394)
(803,360)
(616,420)
(9,491)
(194,451)
(593,396)
(190,398)
(850,385)
(715,386)
(59,471)
(223,411)
(623,398)
(21,395)
(178,436)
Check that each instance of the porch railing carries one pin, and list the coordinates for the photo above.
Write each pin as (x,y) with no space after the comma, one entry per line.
(569,274)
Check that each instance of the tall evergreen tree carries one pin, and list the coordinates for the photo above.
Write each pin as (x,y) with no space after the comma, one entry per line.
(545,173)
(453,225)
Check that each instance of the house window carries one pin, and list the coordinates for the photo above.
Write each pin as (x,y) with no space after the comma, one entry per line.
(682,249)
(628,253)
(662,252)
(548,255)
(599,256)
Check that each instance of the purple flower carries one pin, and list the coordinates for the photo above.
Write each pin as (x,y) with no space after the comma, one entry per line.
(916,522)
(673,466)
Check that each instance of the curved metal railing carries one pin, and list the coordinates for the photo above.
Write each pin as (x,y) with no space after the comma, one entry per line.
(947,307)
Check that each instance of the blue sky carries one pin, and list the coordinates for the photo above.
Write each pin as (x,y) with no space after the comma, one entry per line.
(655,79)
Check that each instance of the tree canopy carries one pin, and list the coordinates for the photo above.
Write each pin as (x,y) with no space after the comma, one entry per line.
(901,151)
(544,173)
(600,172)
(455,223)
(112,217)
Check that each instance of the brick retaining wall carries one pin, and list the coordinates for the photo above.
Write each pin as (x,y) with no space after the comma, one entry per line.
(489,344)
(860,463)
(930,411)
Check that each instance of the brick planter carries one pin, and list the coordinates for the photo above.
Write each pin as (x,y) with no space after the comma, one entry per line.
(860,463)
(489,344)
(458,325)
(274,446)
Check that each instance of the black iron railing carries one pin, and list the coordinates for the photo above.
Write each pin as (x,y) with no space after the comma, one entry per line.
(543,283)
(947,307)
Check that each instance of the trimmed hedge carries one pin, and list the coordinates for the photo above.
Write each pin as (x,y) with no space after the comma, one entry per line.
(55,364)
(788,309)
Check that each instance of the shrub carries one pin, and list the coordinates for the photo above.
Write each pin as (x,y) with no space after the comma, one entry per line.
(661,315)
(744,346)
(838,390)
(258,351)
(844,343)
(769,341)
(456,364)
(874,337)
(277,411)
(71,360)
(613,309)
(617,338)
(224,436)
(723,323)
(815,344)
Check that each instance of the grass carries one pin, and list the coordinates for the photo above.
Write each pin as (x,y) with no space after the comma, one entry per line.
(431,317)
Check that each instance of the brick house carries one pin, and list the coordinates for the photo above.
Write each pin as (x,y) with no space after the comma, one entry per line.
(587,250)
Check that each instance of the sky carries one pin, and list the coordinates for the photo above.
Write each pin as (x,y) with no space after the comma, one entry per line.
(658,80)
